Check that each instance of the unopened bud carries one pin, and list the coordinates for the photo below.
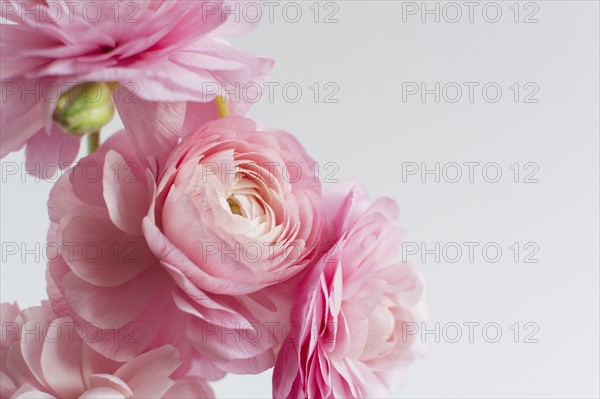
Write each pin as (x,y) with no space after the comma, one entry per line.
(85,108)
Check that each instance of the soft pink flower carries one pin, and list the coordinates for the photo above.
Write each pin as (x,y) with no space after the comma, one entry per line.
(348,339)
(107,276)
(8,314)
(162,53)
(44,358)
(237,209)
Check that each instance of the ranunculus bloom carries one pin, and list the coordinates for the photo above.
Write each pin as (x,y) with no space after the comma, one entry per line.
(162,53)
(237,209)
(350,310)
(42,357)
(102,272)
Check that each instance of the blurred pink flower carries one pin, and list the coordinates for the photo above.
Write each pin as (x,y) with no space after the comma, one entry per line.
(43,358)
(348,318)
(106,275)
(162,53)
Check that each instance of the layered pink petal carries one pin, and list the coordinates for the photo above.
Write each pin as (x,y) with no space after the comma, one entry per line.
(350,307)
(158,52)
(153,127)
(100,253)
(49,360)
(48,153)
(125,196)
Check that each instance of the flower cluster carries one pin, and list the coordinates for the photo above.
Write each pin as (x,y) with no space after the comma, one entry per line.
(194,243)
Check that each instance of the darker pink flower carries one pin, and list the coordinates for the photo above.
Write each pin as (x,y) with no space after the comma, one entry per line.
(42,357)
(159,53)
(347,340)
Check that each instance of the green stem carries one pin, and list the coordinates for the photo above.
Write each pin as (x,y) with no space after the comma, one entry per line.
(93,141)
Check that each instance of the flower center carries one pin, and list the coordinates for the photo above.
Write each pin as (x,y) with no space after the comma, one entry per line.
(235,207)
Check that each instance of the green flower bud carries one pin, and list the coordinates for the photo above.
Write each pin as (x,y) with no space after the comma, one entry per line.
(84,108)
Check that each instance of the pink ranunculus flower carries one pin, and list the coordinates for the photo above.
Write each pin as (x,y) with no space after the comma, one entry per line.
(236,209)
(160,53)
(8,314)
(348,339)
(42,357)
(103,275)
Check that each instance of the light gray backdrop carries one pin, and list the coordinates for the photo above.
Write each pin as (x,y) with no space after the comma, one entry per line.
(518,95)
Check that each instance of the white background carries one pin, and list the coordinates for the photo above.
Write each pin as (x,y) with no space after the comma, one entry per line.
(371,133)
